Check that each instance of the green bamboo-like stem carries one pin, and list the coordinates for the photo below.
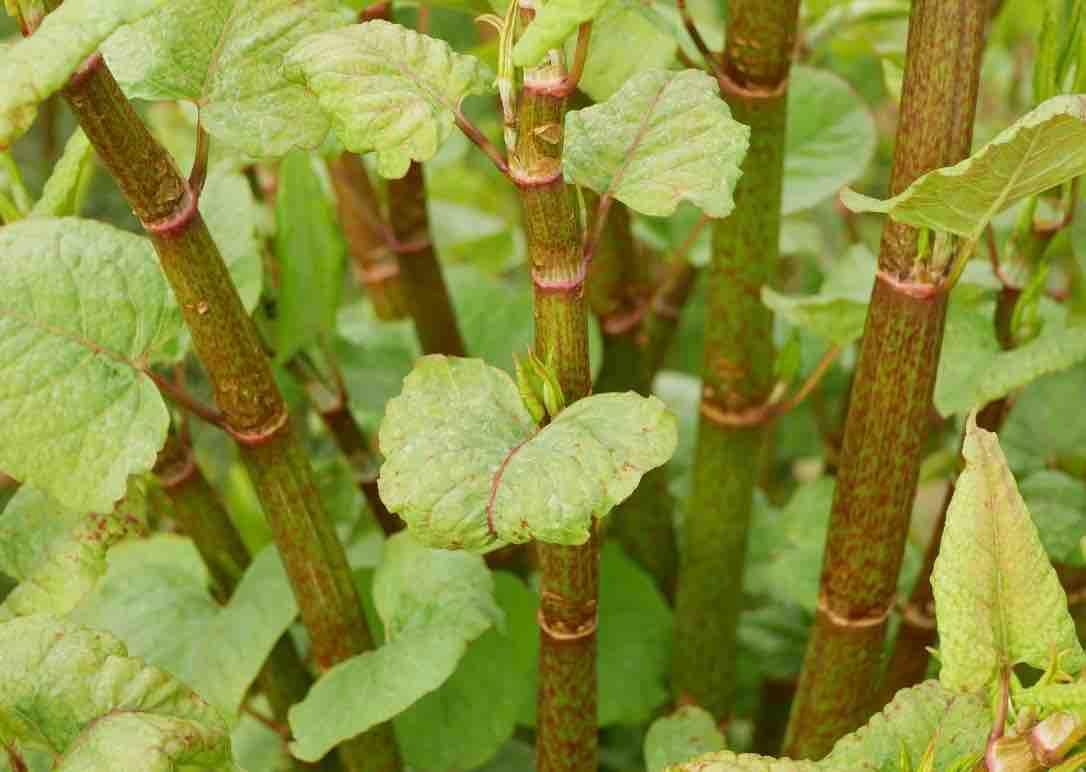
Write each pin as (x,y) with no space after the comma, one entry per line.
(226,341)
(738,360)
(367,235)
(426,295)
(916,635)
(199,513)
(423,284)
(618,292)
(566,719)
(908,664)
(615,287)
(890,402)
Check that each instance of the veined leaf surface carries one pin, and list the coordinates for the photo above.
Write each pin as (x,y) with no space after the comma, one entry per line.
(466,467)
(433,604)
(39,65)
(388,89)
(997,598)
(226,56)
(78,696)
(1043,149)
(663,138)
(83,309)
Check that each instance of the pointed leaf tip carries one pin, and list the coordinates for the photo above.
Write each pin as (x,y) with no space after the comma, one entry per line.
(998,600)
(1042,149)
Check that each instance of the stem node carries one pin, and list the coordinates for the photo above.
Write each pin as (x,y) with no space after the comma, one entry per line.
(265,434)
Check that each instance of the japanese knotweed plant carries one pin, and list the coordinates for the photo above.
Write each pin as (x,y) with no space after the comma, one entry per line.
(87,311)
(157,550)
(1000,606)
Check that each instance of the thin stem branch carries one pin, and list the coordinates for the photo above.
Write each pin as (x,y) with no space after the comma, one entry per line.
(481,141)
(699,42)
(177,394)
(277,727)
(421,276)
(777,405)
(369,237)
(580,55)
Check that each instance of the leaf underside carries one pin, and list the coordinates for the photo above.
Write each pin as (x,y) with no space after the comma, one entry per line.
(1041,150)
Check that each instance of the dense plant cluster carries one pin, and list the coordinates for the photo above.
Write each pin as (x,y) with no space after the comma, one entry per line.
(554,384)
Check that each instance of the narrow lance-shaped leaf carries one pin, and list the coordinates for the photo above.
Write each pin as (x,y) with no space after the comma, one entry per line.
(554,21)
(388,89)
(226,56)
(665,137)
(997,598)
(311,257)
(1041,150)
(83,307)
(62,192)
(433,604)
(466,467)
(38,66)
(78,696)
